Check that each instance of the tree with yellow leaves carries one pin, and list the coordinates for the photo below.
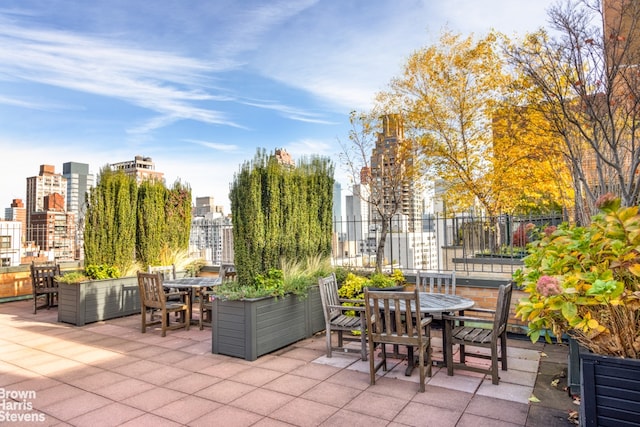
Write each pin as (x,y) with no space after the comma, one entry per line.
(463,109)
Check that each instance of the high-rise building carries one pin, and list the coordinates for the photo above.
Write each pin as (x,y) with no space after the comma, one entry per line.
(47,182)
(205,207)
(17,212)
(391,180)
(79,182)
(141,168)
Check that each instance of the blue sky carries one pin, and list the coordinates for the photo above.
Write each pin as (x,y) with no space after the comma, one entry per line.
(198,85)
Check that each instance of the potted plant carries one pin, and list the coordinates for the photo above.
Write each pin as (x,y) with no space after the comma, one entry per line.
(97,293)
(279,308)
(583,282)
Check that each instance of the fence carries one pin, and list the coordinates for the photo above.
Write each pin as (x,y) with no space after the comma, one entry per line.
(465,243)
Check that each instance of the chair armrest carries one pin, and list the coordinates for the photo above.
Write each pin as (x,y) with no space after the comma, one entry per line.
(426,321)
(467,318)
(347,307)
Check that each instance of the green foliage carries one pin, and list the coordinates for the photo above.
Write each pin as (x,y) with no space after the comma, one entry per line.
(127,224)
(280,211)
(72,278)
(353,285)
(585,281)
(102,271)
(295,277)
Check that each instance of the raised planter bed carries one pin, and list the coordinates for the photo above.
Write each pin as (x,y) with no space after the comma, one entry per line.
(251,328)
(610,390)
(96,300)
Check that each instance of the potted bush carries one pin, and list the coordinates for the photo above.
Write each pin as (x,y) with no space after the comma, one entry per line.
(97,293)
(279,308)
(584,282)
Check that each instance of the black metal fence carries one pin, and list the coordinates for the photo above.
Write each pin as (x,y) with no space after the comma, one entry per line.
(462,242)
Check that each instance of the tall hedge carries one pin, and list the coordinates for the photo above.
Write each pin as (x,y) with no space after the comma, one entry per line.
(127,222)
(110,221)
(280,211)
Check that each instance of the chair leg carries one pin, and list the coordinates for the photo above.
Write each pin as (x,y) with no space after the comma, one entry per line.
(495,379)
(144,319)
(503,351)
(421,367)
(363,345)
(165,323)
(372,368)
(328,338)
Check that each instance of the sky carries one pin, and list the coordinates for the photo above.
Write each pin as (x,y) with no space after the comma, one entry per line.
(199,85)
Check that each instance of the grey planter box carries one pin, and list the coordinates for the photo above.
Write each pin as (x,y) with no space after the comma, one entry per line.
(251,328)
(96,300)
(610,389)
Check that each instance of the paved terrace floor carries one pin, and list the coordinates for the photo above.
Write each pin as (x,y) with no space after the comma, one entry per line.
(110,374)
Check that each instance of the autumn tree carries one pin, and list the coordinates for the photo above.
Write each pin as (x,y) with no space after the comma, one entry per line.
(463,111)
(587,88)
(380,173)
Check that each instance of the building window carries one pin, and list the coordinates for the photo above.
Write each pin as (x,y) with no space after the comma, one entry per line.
(5,242)
(5,262)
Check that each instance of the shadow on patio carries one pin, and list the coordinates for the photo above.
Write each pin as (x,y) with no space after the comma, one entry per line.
(108,373)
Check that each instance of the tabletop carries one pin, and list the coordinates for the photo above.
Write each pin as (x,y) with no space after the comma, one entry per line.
(192,282)
(440,303)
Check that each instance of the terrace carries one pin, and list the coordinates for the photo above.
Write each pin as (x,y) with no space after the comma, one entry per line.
(108,373)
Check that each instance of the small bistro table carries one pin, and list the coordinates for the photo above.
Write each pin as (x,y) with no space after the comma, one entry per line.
(194,284)
(436,303)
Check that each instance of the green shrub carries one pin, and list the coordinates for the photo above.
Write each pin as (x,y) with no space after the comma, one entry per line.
(72,278)
(102,271)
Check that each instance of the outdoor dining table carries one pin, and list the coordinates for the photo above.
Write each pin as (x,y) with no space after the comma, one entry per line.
(193,284)
(436,303)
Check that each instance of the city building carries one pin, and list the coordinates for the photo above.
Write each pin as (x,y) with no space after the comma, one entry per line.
(206,205)
(79,182)
(53,229)
(141,168)
(391,178)
(17,212)
(47,182)
(10,243)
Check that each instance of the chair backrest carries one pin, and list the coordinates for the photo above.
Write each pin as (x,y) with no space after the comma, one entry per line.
(168,271)
(151,290)
(502,308)
(393,317)
(227,272)
(329,296)
(42,276)
(441,282)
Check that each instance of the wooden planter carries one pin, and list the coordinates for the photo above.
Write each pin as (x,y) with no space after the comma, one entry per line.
(96,300)
(251,328)
(610,388)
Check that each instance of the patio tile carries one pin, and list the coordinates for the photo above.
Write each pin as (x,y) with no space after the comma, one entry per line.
(305,354)
(225,391)
(499,409)
(98,380)
(354,379)
(470,420)
(228,416)
(114,414)
(184,410)
(336,360)
(443,398)
(256,376)
(153,398)
(262,401)
(192,382)
(418,414)
(283,364)
(345,417)
(163,375)
(315,371)
(139,367)
(82,403)
(150,420)
(331,394)
(124,389)
(506,391)
(224,369)
(303,412)
(51,395)
(459,381)
(376,405)
(196,363)
(515,376)
(293,385)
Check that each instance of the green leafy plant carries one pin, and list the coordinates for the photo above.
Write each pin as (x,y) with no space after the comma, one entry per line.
(585,282)
(72,278)
(102,271)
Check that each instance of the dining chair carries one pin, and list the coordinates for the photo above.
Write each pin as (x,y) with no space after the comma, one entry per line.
(336,319)
(443,282)
(153,297)
(206,308)
(43,284)
(395,318)
(484,332)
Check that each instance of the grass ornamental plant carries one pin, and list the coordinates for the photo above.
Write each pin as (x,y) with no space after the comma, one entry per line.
(585,282)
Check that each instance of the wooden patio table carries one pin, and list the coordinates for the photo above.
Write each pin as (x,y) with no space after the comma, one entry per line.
(195,285)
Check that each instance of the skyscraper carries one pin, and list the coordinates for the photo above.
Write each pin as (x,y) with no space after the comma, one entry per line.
(47,182)
(79,182)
